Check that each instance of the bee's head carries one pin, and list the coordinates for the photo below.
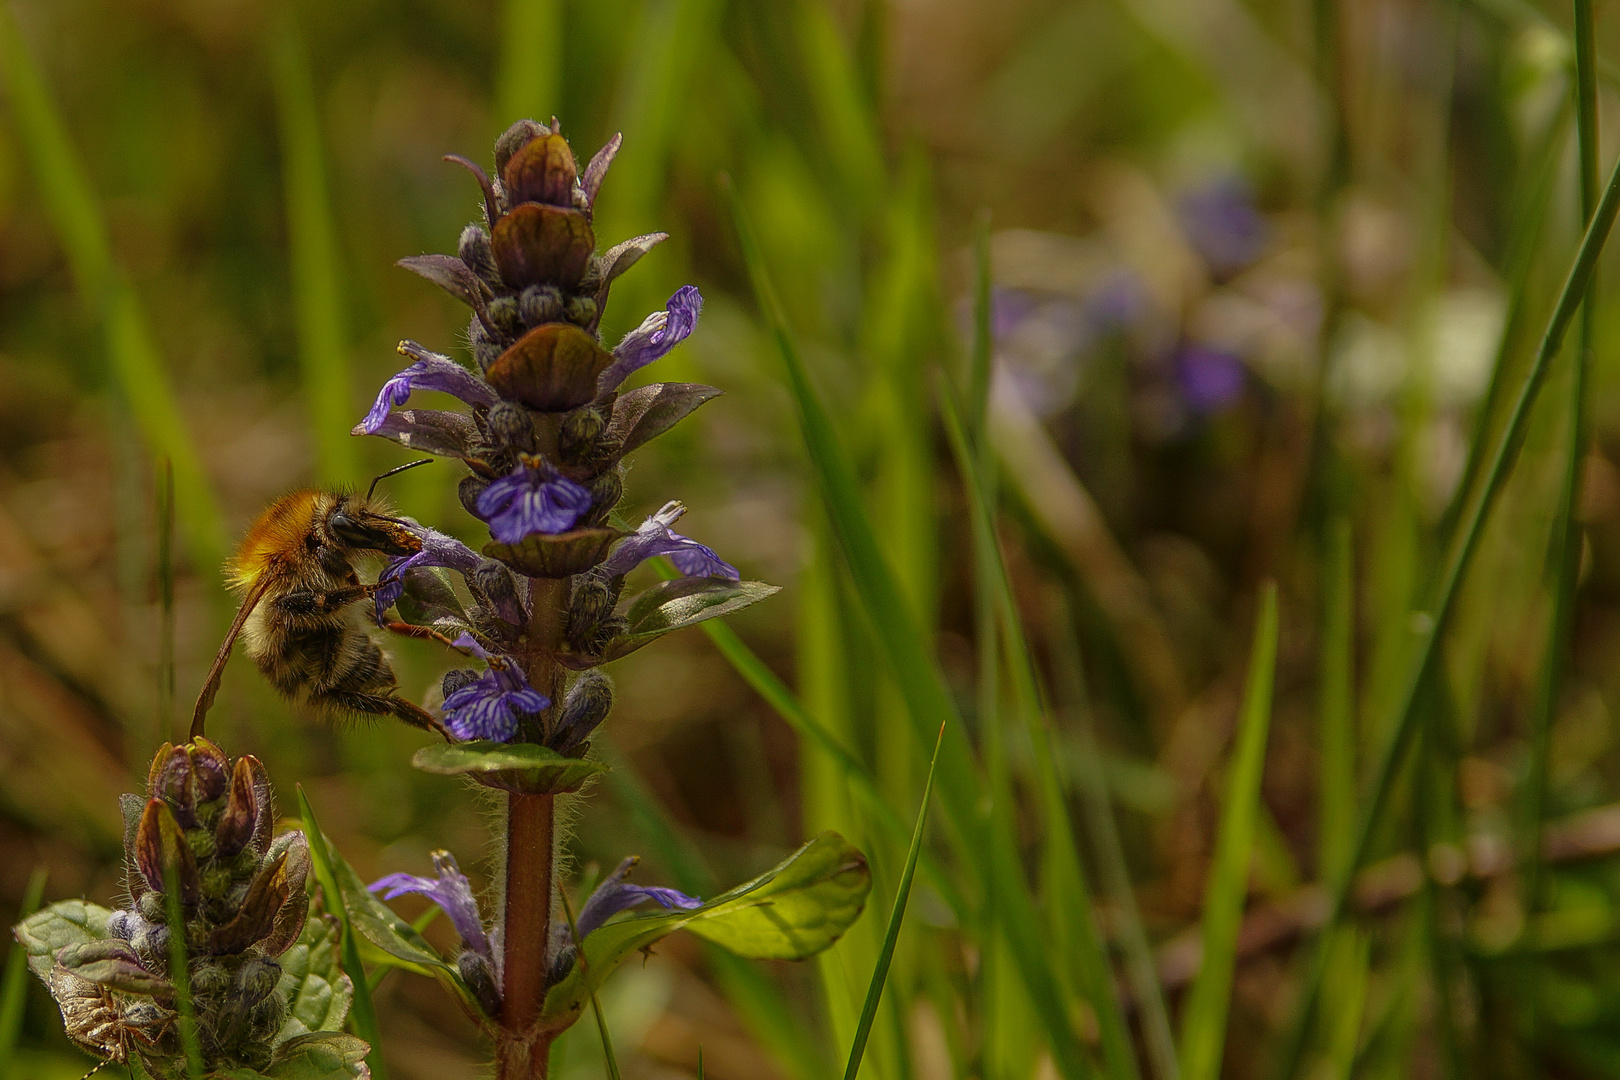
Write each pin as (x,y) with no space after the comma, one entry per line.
(355,522)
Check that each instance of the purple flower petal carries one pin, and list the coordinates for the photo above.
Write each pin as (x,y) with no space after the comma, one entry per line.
(437,550)
(654,538)
(613,896)
(451,891)
(430,371)
(533,499)
(1211,378)
(658,333)
(491,706)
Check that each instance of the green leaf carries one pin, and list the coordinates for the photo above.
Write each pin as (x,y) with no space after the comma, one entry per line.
(323,1055)
(318,992)
(792,911)
(648,411)
(1203,1021)
(682,602)
(525,768)
(64,923)
(14,984)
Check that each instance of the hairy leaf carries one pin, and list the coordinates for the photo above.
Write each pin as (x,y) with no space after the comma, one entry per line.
(524,768)
(64,923)
(648,411)
(681,602)
(794,910)
(318,992)
(323,1055)
(431,431)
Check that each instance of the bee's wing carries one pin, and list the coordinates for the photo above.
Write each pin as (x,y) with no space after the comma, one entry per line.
(210,687)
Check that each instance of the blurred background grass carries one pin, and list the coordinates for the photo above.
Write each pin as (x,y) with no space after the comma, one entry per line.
(1260,282)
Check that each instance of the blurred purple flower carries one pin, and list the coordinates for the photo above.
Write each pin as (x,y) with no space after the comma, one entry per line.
(614,896)
(489,707)
(535,498)
(431,371)
(1223,224)
(654,538)
(655,337)
(451,891)
(1211,378)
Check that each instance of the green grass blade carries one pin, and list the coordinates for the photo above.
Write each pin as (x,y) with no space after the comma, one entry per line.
(1336,707)
(527,82)
(179,973)
(14,983)
(991,855)
(981,355)
(848,127)
(596,1001)
(781,698)
(874,991)
(135,366)
(1068,895)
(1500,464)
(1568,535)
(362,1011)
(316,265)
(1204,1016)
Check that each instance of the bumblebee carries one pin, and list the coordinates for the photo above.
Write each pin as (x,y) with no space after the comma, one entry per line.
(299,616)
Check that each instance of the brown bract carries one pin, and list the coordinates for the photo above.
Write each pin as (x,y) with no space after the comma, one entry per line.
(553,368)
(556,556)
(543,171)
(542,245)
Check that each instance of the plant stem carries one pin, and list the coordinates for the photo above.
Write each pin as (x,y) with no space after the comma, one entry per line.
(530,834)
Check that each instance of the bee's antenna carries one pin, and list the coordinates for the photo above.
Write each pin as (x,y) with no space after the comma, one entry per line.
(99,1066)
(391,472)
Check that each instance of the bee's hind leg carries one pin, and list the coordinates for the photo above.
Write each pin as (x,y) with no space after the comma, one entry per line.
(387,705)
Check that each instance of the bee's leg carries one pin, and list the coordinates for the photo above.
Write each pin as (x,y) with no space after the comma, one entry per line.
(423,633)
(310,602)
(386,705)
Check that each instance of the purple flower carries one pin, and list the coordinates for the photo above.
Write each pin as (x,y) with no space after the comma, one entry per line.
(430,371)
(437,550)
(490,705)
(1211,378)
(613,896)
(1223,224)
(654,538)
(533,499)
(451,891)
(658,333)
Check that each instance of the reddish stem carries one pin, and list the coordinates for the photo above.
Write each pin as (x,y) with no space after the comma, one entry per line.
(530,886)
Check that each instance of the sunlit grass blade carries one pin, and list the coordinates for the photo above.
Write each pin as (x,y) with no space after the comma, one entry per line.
(874,992)
(527,82)
(135,367)
(1204,1015)
(1336,705)
(847,123)
(362,1011)
(14,983)
(991,854)
(317,272)
(1067,893)
(1500,464)
(1349,961)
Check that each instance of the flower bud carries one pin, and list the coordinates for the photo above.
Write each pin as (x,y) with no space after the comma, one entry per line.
(211,767)
(173,780)
(479,975)
(511,427)
(160,846)
(592,602)
(485,349)
(588,703)
(516,138)
(580,429)
(539,304)
(475,252)
(542,171)
(580,310)
(468,491)
(606,491)
(258,979)
(241,816)
(503,312)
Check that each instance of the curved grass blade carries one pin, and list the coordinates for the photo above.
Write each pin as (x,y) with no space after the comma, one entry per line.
(1203,1021)
(874,990)
(317,276)
(989,851)
(14,983)
(362,1013)
(1500,464)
